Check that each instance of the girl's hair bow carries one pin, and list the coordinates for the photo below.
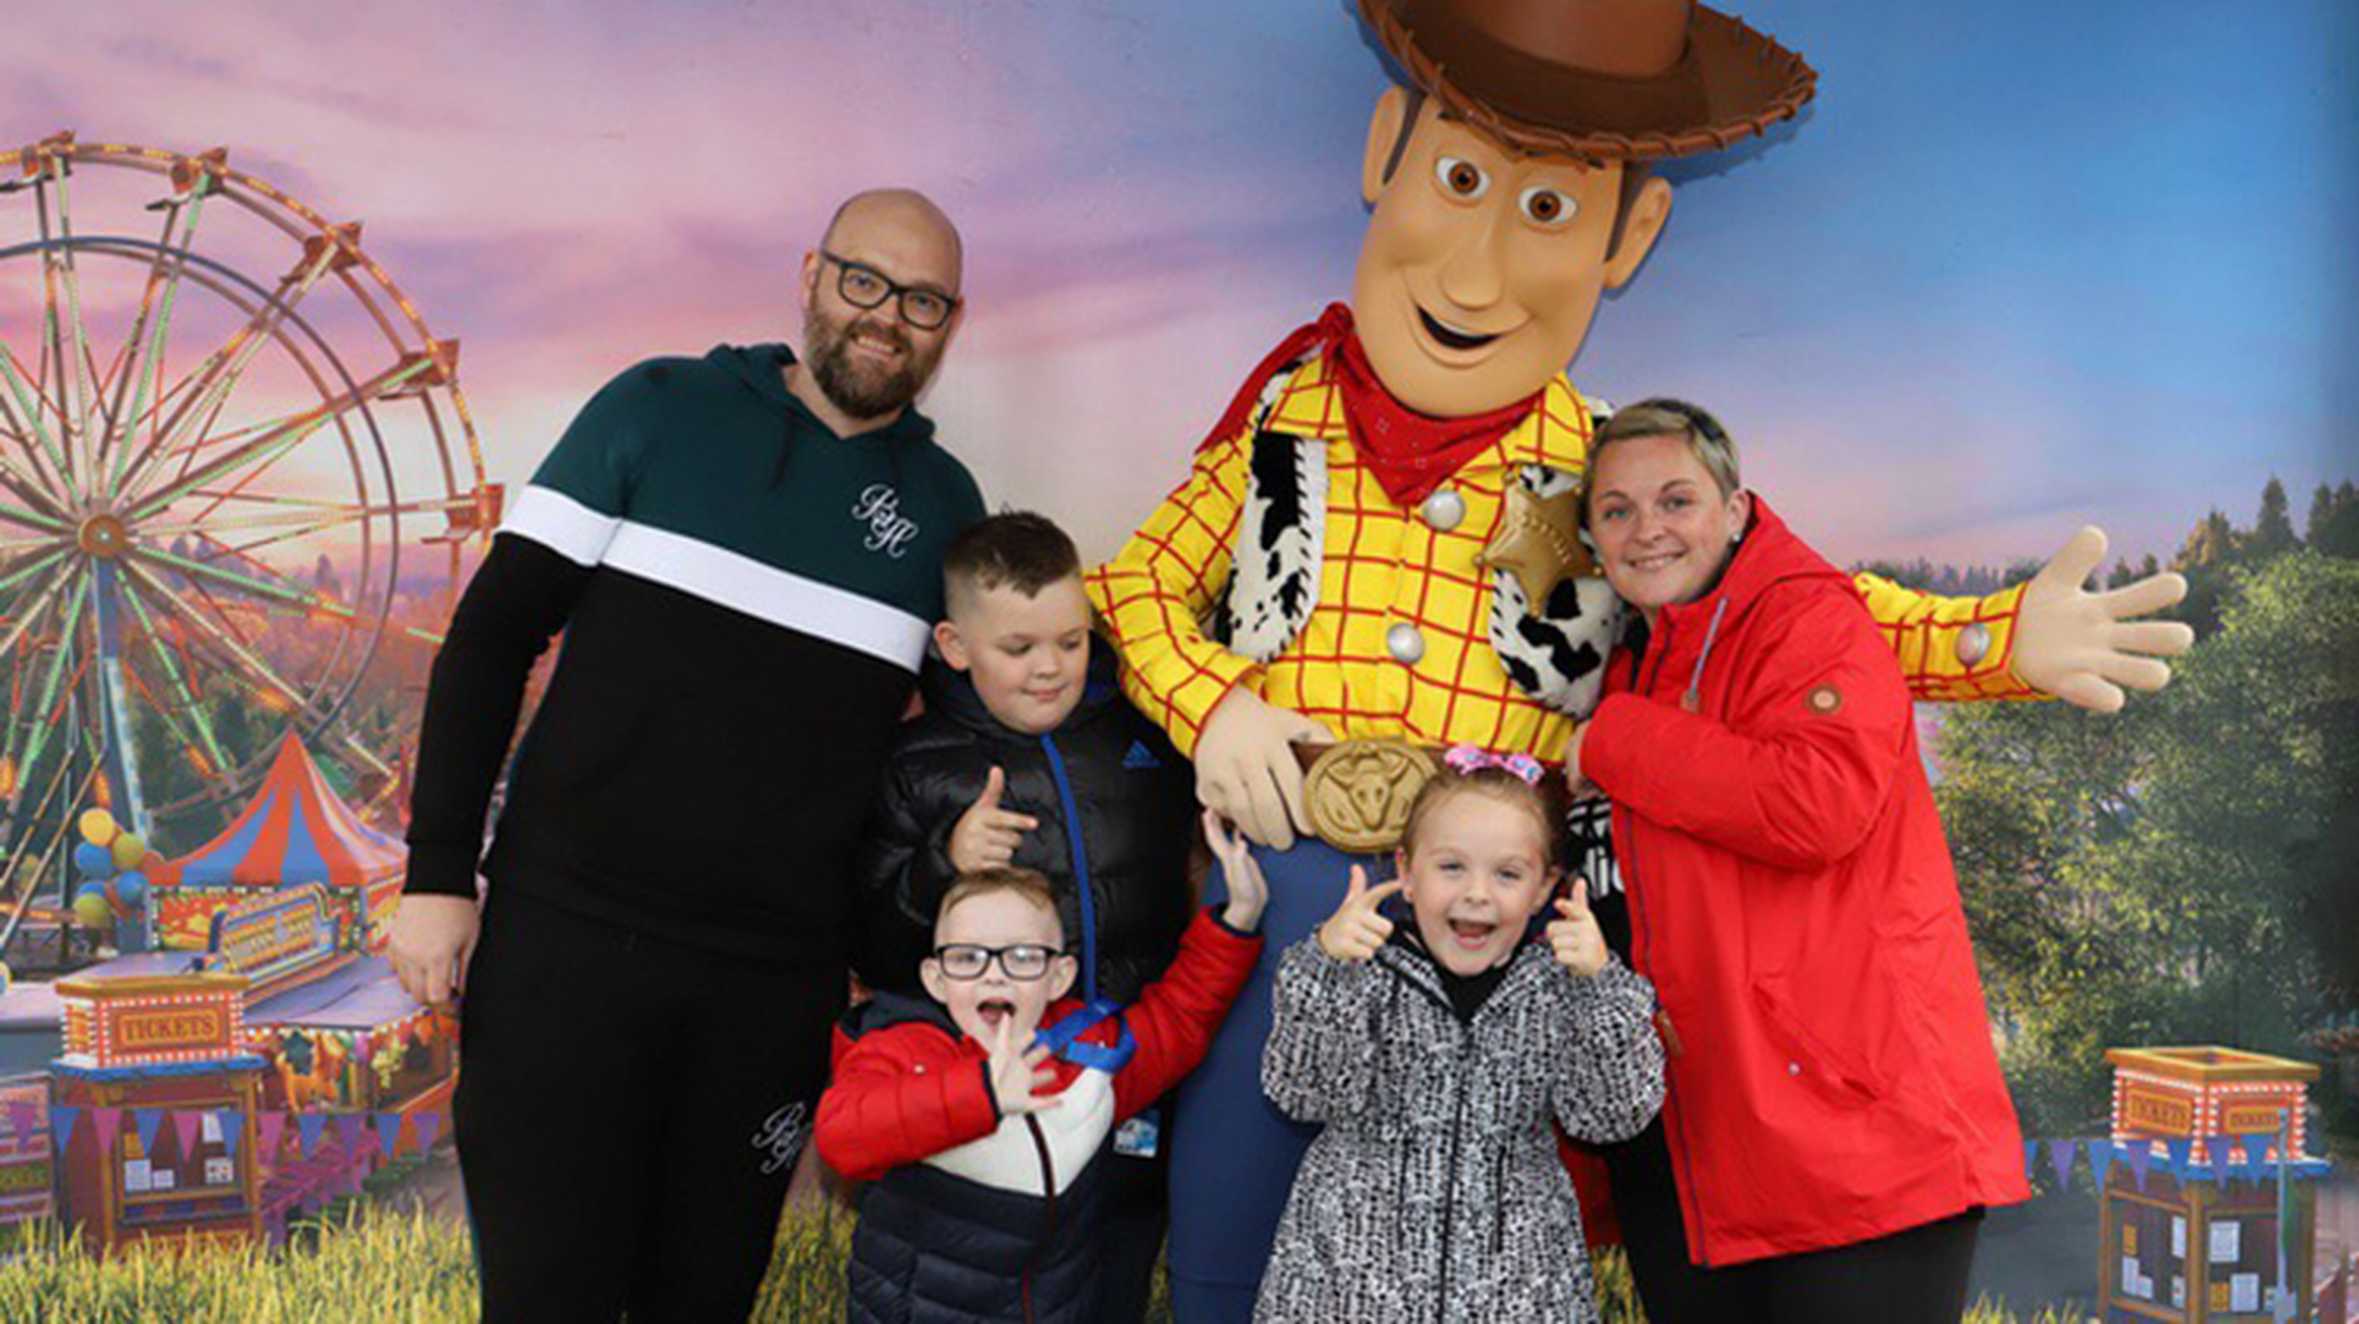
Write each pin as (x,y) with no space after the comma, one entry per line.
(1466,760)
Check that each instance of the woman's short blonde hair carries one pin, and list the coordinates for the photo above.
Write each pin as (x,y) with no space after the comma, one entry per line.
(1665,417)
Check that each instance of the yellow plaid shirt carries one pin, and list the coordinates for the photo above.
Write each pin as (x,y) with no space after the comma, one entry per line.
(1383,564)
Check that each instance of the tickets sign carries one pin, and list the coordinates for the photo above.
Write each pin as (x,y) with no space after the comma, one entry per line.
(2144,1109)
(164,1029)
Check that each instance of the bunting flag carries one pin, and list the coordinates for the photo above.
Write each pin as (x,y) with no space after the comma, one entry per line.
(147,1121)
(348,1133)
(2101,1162)
(2219,1146)
(2256,1155)
(2060,1153)
(233,1129)
(106,1126)
(423,1126)
(2138,1153)
(270,1131)
(2179,1148)
(389,1133)
(187,1125)
(61,1124)
(308,1126)
(24,1119)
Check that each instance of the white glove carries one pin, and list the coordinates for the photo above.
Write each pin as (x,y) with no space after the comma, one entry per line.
(1246,769)
(2082,646)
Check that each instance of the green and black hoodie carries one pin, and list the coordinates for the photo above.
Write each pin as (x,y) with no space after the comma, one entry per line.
(746,598)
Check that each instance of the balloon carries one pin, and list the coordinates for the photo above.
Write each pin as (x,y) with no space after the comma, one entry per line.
(93,861)
(132,889)
(98,826)
(128,849)
(91,910)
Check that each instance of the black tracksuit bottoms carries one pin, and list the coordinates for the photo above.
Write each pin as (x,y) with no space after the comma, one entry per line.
(628,1114)
(1915,1276)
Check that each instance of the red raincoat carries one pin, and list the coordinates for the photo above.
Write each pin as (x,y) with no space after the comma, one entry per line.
(1832,1077)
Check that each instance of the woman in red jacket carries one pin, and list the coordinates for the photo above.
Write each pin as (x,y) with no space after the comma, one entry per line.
(1836,1122)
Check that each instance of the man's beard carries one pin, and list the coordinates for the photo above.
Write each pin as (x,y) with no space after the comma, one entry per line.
(859,388)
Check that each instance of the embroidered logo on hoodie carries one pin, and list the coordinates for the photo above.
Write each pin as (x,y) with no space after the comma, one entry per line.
(889,531)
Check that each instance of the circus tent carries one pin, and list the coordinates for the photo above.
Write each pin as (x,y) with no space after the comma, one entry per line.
(296,830)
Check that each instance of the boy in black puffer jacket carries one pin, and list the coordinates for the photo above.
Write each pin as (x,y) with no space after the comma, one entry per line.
(1028,755)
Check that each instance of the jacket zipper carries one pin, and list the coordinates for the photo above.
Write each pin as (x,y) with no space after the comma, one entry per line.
(1081,884)
(1441,1305)
(1048,1219)
(1683,1167)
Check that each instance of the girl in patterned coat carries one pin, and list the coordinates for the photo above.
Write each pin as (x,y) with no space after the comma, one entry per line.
(1436,1052)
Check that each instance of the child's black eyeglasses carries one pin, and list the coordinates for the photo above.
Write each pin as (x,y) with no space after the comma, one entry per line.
(1022,961)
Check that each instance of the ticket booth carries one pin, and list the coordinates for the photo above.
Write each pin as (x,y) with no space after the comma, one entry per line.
(2213,1231)
(162,1092)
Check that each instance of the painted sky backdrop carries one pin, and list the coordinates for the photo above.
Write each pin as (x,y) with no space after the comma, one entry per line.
(2020,265)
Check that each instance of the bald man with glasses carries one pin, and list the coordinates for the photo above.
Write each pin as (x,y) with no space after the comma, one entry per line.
(744,553)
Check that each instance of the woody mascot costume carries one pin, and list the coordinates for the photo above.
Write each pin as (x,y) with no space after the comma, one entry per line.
(1374,554)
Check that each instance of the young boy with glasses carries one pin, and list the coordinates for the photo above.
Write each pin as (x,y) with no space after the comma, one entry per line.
(982,1116)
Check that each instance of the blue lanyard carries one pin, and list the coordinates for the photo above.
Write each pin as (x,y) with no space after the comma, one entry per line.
(1063,1039)
(1081,888)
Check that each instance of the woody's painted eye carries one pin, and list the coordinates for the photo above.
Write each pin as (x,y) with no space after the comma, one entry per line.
(1461,178)
(1546,206)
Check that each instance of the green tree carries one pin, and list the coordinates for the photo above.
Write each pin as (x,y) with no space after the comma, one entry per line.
(2334,520)
(2272,533)
(2161,876)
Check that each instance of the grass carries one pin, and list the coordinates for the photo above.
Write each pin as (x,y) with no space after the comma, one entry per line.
(366,1263)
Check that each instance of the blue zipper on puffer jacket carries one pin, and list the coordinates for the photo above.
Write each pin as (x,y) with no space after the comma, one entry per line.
(1081,888)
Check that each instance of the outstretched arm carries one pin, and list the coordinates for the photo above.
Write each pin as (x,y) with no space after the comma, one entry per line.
(2045,637)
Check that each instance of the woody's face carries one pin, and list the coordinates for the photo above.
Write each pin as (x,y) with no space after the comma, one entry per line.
(1482,267)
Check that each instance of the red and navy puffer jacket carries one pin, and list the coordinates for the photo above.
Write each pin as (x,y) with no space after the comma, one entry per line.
(969,1215)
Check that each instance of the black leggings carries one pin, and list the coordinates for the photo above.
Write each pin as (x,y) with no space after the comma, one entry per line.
(628,1115)
(1917,1276)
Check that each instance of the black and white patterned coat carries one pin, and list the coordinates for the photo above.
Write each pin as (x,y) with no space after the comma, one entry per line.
(1435,1193)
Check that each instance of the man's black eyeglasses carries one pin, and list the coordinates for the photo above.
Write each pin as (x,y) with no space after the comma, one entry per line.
(967,960)
(867,287)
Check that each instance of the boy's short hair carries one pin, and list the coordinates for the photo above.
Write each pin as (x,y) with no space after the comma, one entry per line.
(1014,549)
(1030,884)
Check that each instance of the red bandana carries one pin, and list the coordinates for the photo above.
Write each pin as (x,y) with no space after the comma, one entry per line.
(1410,453)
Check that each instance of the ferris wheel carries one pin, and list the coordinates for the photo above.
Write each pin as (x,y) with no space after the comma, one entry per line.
(234,464)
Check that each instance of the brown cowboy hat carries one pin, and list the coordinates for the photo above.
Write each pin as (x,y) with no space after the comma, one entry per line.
(1614,80)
